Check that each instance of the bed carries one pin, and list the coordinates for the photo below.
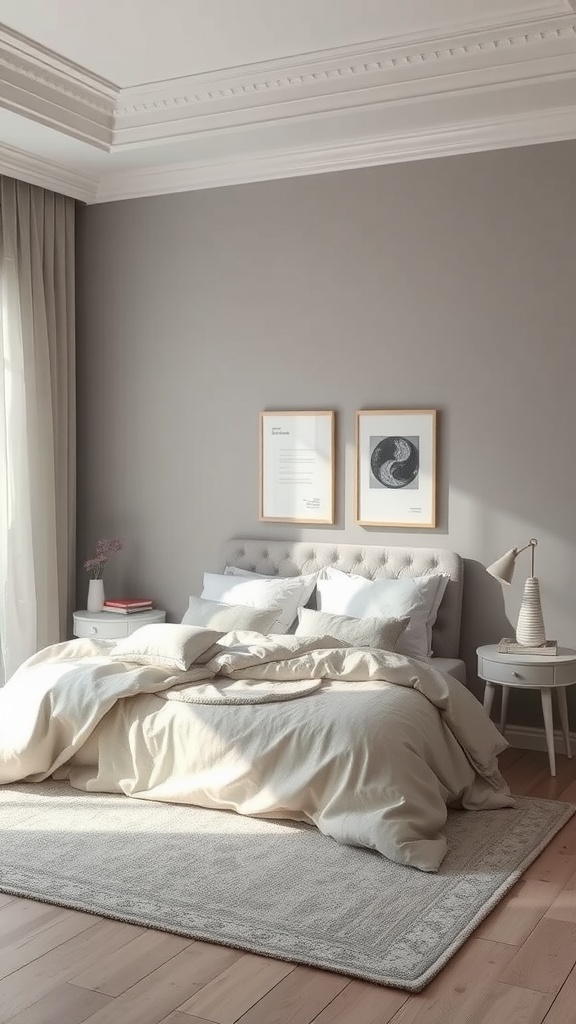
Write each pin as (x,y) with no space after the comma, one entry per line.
(370,745)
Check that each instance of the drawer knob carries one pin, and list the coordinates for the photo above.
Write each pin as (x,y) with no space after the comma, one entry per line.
(93,629)
(516,675)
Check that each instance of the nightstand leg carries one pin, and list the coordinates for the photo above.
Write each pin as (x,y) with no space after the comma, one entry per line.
(563,709)
(488,697)
(504,707)
(546,695)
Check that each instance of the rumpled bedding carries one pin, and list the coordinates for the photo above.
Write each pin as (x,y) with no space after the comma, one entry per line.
(370,747)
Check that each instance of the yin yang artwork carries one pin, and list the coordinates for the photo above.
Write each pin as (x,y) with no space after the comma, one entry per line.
(394,462)
(396,468)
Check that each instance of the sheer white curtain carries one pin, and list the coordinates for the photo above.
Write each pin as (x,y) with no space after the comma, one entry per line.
(37,420)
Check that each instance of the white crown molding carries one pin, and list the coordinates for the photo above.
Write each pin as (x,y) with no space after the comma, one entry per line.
(40,85)
(500,133)
(337,79)
(48,174)
(487,87)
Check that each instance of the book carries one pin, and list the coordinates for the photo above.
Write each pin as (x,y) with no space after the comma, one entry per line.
(128,611)
(127,602)
(509,646)
(127,605)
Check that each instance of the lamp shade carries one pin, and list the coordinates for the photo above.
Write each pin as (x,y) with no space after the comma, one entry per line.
(503,568)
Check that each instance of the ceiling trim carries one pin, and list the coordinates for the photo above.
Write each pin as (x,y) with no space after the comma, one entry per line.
(492,86)
(50,90)
(500,133)
(341,70)
(16,163)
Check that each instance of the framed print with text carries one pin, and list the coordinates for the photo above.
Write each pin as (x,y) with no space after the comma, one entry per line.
(297,467)
(396,467)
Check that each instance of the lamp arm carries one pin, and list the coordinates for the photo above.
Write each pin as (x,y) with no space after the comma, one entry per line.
(531,544)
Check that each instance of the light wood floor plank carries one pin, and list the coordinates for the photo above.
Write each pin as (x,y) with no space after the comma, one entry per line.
(512,1005)
(233,992)
(26,986)
(120,970)
(564,906)
(563,1010)
(459,989)
(519,912)
(545,960)
(552,866)
(18,917)
(165,989)
(569,792)
(183,1018)
(565,840)
(541,783)
(521,773)
(65,1005)
(6,898)
(36,943)
(509,757)
(363,1003)
(297,999)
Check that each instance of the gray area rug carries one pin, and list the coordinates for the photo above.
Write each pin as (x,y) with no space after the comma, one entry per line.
(270,887)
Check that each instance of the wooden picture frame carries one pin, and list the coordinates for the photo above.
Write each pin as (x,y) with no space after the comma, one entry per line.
(297,467)
(396,468)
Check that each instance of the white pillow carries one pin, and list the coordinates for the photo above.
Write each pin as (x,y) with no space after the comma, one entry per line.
(170,646)
(280,594)
(228,617)
(380,633)
(417,598)
(309,579)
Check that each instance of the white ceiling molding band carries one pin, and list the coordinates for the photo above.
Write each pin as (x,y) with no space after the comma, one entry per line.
(403,98)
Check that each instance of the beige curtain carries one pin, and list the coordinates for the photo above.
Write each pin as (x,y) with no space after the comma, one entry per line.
(37,420)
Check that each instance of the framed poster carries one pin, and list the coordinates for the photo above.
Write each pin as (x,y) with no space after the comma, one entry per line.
(297,467)
(396,467)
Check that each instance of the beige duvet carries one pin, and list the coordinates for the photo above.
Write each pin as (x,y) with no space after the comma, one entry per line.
(371,751)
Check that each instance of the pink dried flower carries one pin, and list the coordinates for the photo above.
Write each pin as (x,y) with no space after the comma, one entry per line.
(104,548)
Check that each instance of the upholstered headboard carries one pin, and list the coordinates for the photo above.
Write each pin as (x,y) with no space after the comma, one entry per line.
(290,558)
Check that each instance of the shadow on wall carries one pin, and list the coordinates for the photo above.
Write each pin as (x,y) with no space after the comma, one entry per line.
(484,618)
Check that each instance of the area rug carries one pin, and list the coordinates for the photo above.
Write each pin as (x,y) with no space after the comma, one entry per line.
(274,888)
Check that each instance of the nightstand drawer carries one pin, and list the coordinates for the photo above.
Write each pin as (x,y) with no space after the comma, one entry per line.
(110,626)
(518,675)
(104,630)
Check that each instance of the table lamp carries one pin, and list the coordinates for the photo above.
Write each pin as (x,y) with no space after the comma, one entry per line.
(530,630)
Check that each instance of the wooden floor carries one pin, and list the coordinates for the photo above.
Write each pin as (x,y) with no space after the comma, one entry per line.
(63,967)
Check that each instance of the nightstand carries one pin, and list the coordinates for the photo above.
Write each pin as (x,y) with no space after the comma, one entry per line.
(112,626)
(531,672)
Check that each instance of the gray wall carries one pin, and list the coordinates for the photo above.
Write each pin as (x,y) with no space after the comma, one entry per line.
(444,284)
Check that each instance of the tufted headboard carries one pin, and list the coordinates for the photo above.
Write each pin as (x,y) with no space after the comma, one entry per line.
(290,558)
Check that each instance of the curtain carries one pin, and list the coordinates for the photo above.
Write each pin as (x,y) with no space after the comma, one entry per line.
(37,420)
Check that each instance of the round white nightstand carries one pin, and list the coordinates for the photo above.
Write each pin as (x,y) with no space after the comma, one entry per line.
(111,625)
(531,672)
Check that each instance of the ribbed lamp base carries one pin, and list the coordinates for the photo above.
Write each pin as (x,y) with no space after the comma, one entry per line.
(530,630)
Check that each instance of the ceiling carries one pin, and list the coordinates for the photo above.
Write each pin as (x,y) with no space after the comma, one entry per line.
(120,98)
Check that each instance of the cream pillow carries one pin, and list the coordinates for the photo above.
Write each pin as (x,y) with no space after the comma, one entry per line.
(308,580)
(380,633)
(279,594)
(217,615)
(417,598)
(171,646)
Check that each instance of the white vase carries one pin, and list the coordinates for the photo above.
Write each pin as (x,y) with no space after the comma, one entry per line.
(95,596)
(530,629)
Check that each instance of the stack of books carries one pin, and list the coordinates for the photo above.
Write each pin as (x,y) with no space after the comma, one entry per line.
(128,605)
(509,646)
